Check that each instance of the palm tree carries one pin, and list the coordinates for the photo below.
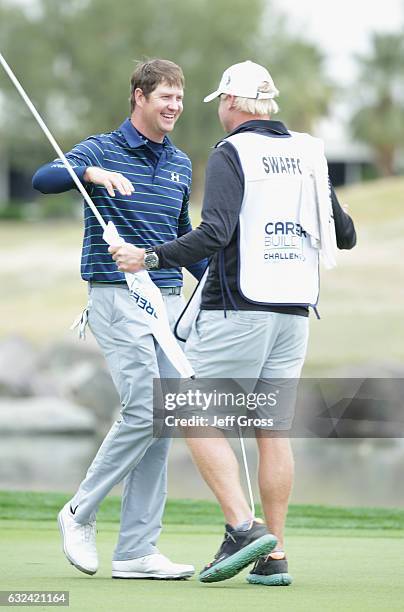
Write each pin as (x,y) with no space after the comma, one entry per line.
(305,88)
(379,121)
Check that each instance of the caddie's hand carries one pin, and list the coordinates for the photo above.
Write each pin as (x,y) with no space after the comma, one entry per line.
(128,257)
(109,180)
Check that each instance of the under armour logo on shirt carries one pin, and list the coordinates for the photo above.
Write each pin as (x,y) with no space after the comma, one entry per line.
(175,177)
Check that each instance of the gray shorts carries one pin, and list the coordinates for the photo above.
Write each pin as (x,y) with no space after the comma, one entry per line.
(263,351)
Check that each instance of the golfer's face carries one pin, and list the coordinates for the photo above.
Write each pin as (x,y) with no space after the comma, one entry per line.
(162,108)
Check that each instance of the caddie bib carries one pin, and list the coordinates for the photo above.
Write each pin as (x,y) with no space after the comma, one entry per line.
(278,254)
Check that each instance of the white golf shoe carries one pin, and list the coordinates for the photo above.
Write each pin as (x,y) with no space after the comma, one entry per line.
(151,566)
(78,541)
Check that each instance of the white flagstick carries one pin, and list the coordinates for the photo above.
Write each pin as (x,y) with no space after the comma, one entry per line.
(53,142)
(159,325)
(247,472)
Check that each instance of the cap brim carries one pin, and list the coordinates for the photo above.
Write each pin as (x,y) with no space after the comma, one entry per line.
(212,96)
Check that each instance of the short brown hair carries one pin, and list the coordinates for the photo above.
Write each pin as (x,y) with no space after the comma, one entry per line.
(150,73)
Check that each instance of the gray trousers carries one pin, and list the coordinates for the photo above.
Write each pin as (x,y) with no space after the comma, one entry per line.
(129,450)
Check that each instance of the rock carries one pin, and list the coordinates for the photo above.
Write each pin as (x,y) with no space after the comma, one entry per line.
(46,384)
(78,373)
(63,355)
(18,364)
(48,415)
(91,386)
(75,372)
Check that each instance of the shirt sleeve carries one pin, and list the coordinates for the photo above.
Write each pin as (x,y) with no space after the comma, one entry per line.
(344,226)
(54,178)
(224,187)
(184,227)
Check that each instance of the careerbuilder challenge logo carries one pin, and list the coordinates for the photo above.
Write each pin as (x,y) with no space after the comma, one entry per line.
(283,240)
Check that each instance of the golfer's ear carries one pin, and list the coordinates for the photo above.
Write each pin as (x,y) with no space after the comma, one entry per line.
(139,96)
(230,101)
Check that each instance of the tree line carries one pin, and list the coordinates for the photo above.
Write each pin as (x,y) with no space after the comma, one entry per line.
(75,59)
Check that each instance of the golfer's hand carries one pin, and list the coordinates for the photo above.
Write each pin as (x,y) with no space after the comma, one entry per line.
(109,180)
(128,257)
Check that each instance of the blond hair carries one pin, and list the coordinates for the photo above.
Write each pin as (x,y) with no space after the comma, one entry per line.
(255,106)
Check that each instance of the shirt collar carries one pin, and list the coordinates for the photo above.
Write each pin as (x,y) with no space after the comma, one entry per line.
(134,139)
(262,125)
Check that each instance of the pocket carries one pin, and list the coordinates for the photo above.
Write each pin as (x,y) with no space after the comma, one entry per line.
(196,325)
(100,307)
(239,319)
(251,319)
(175,305)
(204,322)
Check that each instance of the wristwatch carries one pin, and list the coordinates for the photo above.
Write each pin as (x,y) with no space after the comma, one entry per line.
(151,260)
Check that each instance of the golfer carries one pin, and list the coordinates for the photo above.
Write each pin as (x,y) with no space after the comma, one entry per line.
(268,214)
(141,182)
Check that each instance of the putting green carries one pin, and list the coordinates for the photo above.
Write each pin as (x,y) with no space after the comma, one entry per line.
(358,570)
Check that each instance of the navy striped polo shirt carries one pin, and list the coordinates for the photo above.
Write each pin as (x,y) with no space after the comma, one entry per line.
(155,213)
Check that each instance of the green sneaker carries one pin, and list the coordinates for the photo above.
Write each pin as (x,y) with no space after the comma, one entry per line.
(238,549)
(270,572)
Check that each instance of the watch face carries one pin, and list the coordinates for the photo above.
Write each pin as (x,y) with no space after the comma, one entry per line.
(151,261)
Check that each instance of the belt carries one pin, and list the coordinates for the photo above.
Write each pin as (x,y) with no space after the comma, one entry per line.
(164,290)
(170,290)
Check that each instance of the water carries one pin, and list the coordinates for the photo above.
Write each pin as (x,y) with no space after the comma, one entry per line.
(336,472)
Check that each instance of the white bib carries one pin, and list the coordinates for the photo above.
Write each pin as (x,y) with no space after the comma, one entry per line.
(285,215)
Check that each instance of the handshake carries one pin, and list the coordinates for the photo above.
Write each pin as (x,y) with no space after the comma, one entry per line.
(128,257)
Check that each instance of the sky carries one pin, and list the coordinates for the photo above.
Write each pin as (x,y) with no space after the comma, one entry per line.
(342,27)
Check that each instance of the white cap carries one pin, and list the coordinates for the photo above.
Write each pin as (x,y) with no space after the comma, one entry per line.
(244,80)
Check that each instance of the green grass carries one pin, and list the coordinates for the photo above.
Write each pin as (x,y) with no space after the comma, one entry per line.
(375,202)
(340,558)
(33,506)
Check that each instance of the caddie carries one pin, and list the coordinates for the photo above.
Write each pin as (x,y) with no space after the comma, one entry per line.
(269,214)
(141,181)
